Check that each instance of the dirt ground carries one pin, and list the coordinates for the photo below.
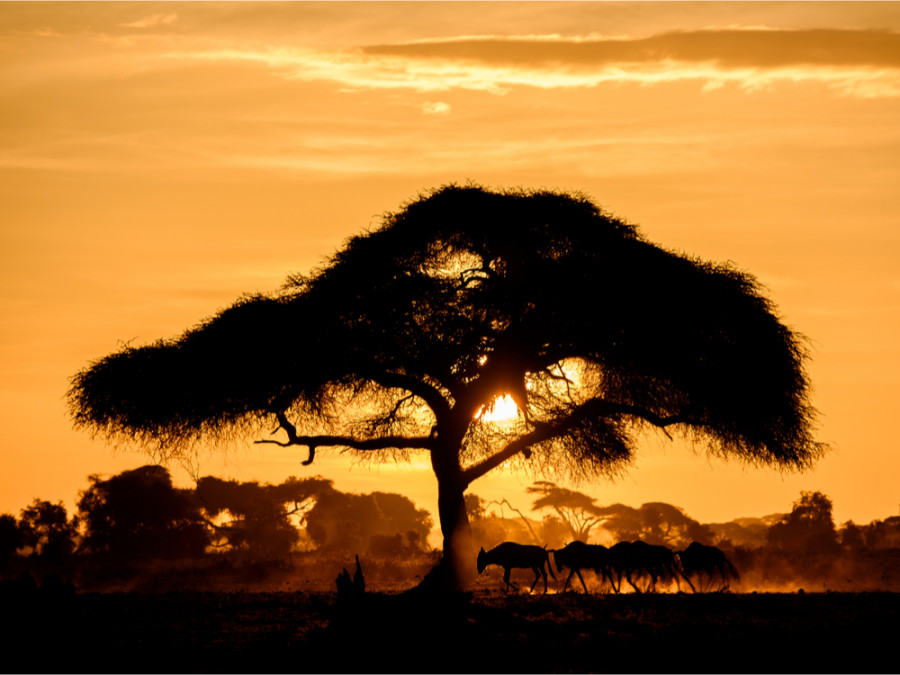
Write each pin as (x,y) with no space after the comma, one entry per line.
(483,632)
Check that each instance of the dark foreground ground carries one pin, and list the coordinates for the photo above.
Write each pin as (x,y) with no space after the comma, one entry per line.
(486,632)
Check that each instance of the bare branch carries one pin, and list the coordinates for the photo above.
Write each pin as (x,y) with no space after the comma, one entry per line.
(505,502)
(364,444)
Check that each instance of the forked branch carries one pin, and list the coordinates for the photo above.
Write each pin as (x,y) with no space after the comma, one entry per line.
(313,442)
(545,431)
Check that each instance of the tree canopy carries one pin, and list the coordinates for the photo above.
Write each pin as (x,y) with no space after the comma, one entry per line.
(140,514)
(404,338)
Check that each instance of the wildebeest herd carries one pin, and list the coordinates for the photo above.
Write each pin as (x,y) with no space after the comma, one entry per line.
(644,566)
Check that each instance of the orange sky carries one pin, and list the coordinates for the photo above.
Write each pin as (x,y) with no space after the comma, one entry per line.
(159,160)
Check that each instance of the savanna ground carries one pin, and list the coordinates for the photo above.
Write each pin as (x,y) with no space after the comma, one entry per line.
(252,630)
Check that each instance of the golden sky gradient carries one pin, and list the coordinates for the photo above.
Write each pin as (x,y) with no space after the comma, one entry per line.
(160,159)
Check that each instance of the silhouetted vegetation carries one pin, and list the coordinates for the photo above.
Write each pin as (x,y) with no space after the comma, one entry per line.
(136,530)
(404,340)
(778,552)
(140,515)
(337,610)
(254,520)
(382,524)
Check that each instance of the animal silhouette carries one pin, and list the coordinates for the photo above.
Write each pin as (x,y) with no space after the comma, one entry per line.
(643,565)
(703,563)
(578,555)
(510,555)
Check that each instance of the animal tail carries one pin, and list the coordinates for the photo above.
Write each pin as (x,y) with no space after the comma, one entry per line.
(733,570)
(549,564)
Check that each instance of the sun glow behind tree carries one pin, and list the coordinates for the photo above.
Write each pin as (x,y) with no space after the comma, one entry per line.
(460,299)
(502,410)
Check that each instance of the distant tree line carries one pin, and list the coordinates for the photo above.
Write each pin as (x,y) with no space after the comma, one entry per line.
(139,518)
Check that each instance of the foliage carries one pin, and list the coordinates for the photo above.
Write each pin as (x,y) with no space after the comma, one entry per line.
(11,539)
(882,534)
(466,294)
(46,529)
(259,521)
(382,523)
(404,339)
(575,509)
(748,532)
(654,522)
(808,527)
(139,514)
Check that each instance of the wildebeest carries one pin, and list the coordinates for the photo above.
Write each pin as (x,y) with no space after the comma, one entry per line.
(703,562)
(637,560)
(510,555)
(578,555)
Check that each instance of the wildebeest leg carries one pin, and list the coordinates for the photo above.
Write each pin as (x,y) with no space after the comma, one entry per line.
(581,578)
(617,582)
(506,571)
(604,573)
(630,581)
(538,573)
(619,578)
(568,579)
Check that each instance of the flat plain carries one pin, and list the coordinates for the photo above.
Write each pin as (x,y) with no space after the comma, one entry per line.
(484,631)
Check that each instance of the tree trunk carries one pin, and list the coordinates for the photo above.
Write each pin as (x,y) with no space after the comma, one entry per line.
(458,563)
(459,553)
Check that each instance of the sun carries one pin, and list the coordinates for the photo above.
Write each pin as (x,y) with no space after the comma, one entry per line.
(501,409)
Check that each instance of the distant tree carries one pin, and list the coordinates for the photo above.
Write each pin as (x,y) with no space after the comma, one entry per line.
(851,537)
(348,522)
(575,509)
(655,523)
(405,340)
(882,534)
(746,532)
(808,527)
(140,514)
(475,506)
(11,540)
(46,529)
(258,517)
(553,532)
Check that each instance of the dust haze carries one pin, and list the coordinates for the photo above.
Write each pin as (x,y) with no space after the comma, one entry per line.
(136,531)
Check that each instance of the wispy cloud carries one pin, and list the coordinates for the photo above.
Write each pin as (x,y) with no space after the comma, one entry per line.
(854,63)
(153,21)
(753,48)
(436,108)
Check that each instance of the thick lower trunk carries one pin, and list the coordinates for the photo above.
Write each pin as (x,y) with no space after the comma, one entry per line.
(458,563)
(459,553)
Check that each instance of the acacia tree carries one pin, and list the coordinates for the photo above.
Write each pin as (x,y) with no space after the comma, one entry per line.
(403,341)
(576,509)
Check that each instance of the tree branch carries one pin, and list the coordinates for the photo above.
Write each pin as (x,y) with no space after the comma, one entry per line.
(545,431)
(432,396)
(313,442)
